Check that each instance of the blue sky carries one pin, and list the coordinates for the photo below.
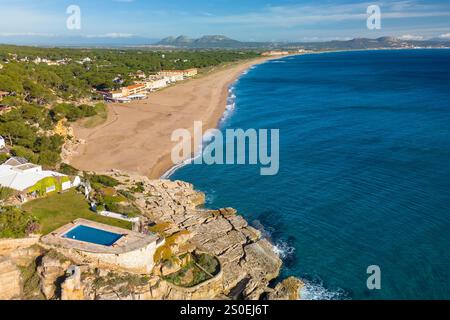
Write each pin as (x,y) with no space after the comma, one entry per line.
(247,20)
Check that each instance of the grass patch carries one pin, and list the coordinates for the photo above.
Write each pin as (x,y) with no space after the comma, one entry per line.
(59,209)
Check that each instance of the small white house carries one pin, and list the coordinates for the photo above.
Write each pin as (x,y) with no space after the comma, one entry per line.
(24,177)
(2,143)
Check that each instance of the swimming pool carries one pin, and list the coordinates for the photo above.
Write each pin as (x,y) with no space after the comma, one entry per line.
(92,235)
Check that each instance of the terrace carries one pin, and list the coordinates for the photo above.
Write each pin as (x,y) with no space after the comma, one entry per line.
(127,240)
(105,246)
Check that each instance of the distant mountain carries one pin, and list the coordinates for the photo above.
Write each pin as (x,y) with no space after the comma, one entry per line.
(209,41)
(178,41)
(219,41)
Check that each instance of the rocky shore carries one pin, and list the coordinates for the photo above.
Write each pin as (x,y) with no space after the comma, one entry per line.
(174,210)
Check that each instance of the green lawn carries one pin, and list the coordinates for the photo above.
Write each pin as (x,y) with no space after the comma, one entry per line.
(59,209)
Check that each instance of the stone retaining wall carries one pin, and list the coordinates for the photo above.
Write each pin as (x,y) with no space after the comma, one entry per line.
(7,246)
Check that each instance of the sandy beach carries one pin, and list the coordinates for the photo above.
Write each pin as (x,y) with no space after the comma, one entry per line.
(136,137)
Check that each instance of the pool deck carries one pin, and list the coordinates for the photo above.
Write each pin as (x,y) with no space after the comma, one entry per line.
(129,241)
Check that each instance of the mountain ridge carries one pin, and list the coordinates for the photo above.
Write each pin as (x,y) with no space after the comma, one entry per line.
(221,41)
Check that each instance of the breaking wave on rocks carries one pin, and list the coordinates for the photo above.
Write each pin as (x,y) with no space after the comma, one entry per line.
(283,249)
(315,290)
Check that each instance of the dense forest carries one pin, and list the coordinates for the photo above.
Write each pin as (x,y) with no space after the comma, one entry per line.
(40,95)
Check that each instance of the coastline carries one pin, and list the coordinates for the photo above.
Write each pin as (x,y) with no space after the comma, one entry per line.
(136,137)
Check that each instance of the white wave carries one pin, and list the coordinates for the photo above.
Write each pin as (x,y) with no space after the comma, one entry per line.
(172,170)
(283,249)
(315,290)
(210,196)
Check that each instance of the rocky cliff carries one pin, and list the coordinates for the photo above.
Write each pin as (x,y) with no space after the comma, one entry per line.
(173,209)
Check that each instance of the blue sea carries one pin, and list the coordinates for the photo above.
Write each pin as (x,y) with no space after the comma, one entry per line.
(364,170)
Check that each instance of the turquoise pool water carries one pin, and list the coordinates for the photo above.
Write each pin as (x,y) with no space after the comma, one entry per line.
(93,235)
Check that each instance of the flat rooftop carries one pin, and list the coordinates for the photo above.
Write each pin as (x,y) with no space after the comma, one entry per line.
(129,240)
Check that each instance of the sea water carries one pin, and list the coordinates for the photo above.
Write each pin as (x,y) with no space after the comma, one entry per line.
(364,170)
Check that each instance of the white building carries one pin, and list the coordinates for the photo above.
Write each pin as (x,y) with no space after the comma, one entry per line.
(156,83)
(20,176)
(2,143)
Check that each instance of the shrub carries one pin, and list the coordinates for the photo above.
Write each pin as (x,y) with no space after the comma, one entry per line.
(208,262)
(49,158)
(23,152)
(138,187)
(107,181)
(127,195)
(67,169)
(3,157)
(33,227)
(14,223)
(6,193)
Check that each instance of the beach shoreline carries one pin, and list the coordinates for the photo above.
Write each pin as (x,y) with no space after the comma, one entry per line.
(136,137)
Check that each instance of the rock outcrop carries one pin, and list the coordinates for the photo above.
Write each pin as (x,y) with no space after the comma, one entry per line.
(51,272)
(10,280)
(248,260)
(71,288)
(288,289)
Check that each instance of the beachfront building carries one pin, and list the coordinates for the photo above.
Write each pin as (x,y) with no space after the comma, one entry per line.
(134,89)
(274,53)
(155,82)
(178,75)
(140,74)
(126,94)
(172,75)
(116,94)
(27,178)
(104,246)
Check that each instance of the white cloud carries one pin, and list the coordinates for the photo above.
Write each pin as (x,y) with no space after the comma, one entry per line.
(26,34)
(445,36)
(114,35)
(296,15)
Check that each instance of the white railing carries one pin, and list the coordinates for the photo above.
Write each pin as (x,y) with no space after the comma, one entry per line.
(117,216)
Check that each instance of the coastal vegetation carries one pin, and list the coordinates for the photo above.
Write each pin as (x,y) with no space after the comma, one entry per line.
(45,86)
(76,71)
(16,223)
(198,268)
(30,130)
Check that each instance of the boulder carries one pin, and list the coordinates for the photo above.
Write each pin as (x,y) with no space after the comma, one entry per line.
(71,288)
(288,289)
(50,270)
